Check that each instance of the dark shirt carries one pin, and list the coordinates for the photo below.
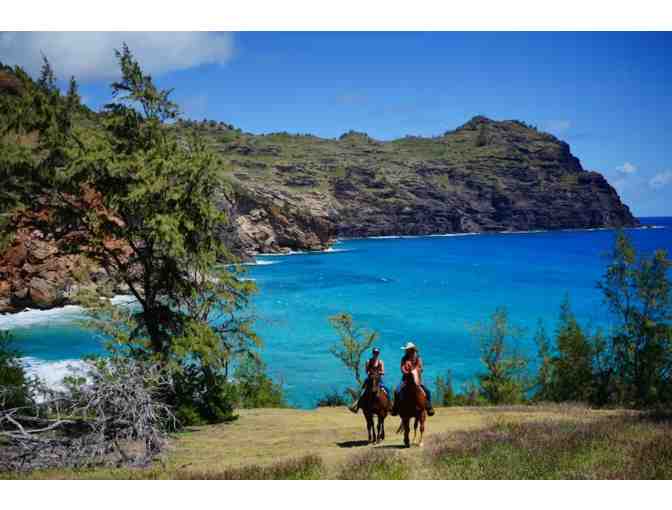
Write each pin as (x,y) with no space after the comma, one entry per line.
(375,365)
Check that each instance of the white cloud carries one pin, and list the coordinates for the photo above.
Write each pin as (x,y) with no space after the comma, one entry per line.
(557,126)
(627,168)
(661,179)
(89,56)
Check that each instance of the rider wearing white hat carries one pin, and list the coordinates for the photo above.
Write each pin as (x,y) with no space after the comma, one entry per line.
(411,361)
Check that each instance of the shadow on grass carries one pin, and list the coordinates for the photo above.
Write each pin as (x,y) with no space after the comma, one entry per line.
(352,444)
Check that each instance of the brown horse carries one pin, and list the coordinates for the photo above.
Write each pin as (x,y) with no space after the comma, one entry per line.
(375,402)
(412,404)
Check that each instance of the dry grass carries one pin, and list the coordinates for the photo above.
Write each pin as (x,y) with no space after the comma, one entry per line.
(549,441)
(627,446)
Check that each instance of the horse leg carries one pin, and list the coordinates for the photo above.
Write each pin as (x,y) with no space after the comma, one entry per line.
(368,429)
(423,417)
(407,432)
(372,424)
(381,427)
(415,429)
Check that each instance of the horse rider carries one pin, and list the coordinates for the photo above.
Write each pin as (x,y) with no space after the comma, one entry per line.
(373,365)
(409,362)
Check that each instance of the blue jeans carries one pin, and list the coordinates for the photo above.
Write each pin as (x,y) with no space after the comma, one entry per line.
(382,385)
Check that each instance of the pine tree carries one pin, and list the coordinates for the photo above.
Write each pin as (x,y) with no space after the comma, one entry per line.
(503,381)
(141,203)
(545,374)
(573,371)
(638,292)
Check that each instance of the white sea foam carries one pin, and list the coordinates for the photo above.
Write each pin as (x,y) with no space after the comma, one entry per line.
(523,232)
(459,234)
(30,317)
(264,262)
(63,314)
(123,300)
(286,253)
(335,250)
(52,373)
(420,236)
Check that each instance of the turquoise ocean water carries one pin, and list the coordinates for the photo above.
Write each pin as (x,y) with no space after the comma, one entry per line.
(427,289)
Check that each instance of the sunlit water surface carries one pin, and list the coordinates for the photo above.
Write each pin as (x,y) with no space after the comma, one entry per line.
(429,290)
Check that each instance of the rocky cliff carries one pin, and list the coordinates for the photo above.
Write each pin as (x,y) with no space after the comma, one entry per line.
(485,176)
(299,192)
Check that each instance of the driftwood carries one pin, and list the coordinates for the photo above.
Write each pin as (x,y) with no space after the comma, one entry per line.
(115,417)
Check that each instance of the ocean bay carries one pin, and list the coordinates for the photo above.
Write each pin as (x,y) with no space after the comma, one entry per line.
(426,289)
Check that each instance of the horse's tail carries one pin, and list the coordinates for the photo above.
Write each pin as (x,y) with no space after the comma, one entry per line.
(401,426)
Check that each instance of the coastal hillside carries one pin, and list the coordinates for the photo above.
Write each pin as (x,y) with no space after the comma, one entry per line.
(287,192)
(298,191)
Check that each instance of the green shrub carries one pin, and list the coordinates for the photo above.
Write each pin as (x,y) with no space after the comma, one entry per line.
(254,388)
(503,381)
(572,375)
(227,137)
(15,386)
(332,399)
(444,393)
(202,396)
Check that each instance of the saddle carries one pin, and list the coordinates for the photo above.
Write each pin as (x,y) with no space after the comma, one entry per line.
(403,387)
(367,390)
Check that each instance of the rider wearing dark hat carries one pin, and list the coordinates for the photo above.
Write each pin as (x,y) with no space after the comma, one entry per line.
(374,364)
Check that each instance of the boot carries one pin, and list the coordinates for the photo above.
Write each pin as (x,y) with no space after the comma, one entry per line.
(355,407)
(430,408)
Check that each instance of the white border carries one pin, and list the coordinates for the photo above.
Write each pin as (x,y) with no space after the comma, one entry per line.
(273,495)
(336,15)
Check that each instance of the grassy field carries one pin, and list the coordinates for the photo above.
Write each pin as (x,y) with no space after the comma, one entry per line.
(461,443)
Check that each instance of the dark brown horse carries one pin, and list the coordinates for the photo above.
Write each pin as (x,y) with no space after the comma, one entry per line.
(375,402)
(412,404)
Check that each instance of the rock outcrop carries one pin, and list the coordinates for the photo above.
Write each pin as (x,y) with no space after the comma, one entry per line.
(35,274)
(486,176)
(267,221)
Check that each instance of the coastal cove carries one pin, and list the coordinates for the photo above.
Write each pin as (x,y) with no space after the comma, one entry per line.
(425,289)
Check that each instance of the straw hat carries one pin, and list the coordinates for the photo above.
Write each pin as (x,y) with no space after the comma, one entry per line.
(409,345)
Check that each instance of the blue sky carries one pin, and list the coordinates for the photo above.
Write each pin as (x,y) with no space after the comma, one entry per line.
(608,94)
